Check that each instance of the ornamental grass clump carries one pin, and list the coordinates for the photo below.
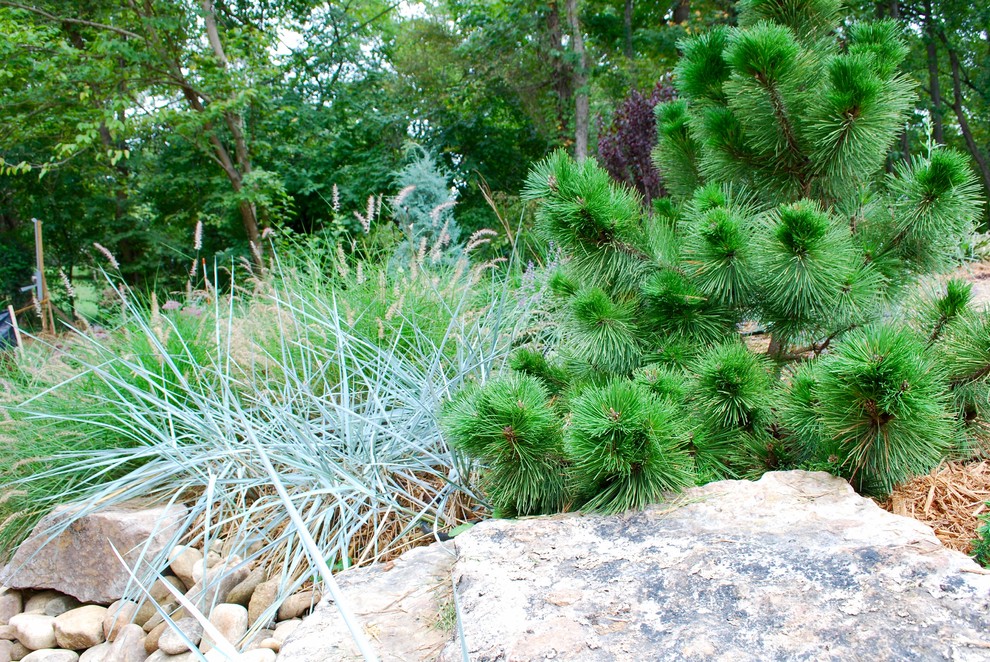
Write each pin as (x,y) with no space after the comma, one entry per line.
(784,222)
(297,411)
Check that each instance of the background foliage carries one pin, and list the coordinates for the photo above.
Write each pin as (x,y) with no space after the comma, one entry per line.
(126,125)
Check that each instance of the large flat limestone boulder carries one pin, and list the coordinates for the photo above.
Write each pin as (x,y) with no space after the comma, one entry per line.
(403,607)
(80,562)
(793,566)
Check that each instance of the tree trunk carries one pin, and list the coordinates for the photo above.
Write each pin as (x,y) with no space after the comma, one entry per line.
(235,124)
(562,77)
(895,13)
(581,100)
(627,29)
(934,89)
(957,106)
(682,12)
(235,170)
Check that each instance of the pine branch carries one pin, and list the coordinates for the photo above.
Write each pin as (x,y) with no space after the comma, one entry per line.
(971,377)
(937,331)
(780,112)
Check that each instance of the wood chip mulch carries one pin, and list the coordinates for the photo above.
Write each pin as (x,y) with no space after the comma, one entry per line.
(950,499)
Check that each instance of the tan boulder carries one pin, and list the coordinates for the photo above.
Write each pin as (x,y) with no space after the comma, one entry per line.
(34,631)
(118,615)
(86,546)
(128,646)
(80,628)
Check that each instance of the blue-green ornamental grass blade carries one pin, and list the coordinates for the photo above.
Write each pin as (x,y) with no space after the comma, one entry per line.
(316,557)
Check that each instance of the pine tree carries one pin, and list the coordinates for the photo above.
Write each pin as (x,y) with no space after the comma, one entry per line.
(780,215)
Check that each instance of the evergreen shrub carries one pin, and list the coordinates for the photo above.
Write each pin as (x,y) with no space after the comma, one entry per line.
(780,218)
(424,212)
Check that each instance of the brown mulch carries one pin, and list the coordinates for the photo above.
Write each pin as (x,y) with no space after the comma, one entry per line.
(950,499)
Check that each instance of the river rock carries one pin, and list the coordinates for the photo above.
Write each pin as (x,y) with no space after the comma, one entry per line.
(11,604)
(80,628)
(217,584)
(159,656)
(172,609)
(146,611)
(284,629)
(241,594)
(270,643)
(85,547)
(18,651)
(35,631)
(5,646)
(118,615)
(160,592)
(213,558)
(51,655)
(160,595)
(216,655)
(231,621)
(128,645)
(98,653)
(174,643)
(262,599)
(152,638)
(258,637)
(297,604)
(37,601)
(181,560)
(61,604)
(257,655)
(199,569)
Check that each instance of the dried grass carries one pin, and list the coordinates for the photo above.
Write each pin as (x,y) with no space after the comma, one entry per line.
(386,533)
(949,499)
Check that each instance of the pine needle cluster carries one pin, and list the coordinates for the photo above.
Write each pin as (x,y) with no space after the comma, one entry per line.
(512,427)
(781,217)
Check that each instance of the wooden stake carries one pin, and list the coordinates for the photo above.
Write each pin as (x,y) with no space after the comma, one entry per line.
(17,331)
(47,319)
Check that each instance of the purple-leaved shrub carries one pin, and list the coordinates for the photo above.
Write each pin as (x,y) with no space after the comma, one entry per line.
(626,144)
